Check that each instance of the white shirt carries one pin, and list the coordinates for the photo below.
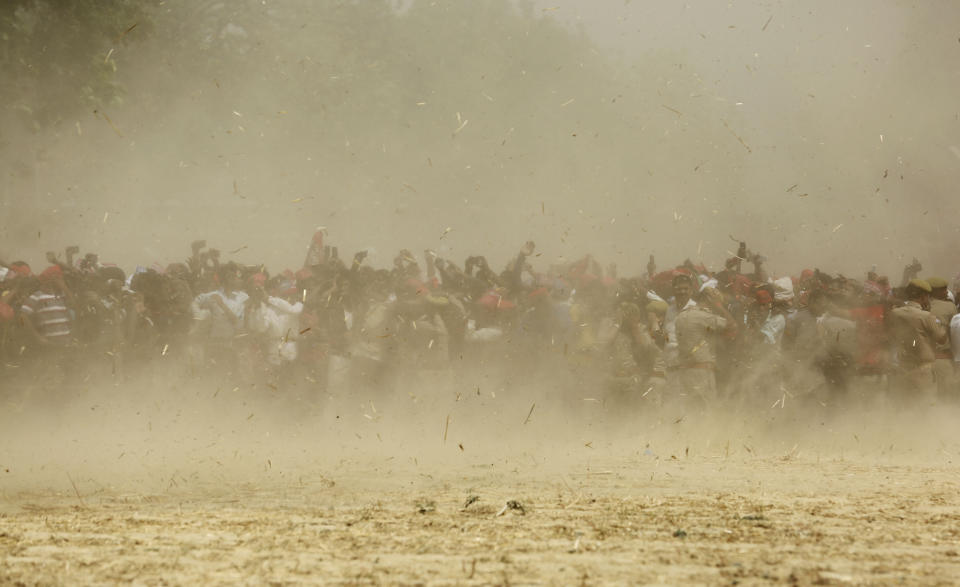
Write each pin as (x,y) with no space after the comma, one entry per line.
(772,329)
(277,319)
(671,353)
(955,337)
(204,307)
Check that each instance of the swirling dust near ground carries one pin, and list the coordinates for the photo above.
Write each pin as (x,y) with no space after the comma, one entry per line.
(191,482)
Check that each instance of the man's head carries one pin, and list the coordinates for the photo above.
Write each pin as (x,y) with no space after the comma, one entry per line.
(257,286)
(764,299)
(629,315)
(51,280)
(870,294)
(918,290)
(938,287)
(178,271)
(682,288)
(112,273)
(109,281)
(19,269)
(631,290)
(229,276)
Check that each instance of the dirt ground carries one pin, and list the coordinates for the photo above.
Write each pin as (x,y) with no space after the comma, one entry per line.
(623,521)
(557,502)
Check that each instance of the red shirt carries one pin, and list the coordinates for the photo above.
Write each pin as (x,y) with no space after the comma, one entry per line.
(871,335)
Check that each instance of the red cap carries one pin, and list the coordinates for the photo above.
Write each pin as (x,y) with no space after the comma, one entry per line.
(21,270)
(52,272)
(494,301)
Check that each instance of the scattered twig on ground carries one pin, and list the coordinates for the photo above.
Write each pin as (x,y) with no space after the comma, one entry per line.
(512,505)
(530,413)
(77,491)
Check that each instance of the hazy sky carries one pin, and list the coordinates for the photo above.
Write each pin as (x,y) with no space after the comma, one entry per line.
(821,132)
(839,98)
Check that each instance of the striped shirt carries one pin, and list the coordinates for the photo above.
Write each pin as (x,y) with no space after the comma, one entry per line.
(50,316)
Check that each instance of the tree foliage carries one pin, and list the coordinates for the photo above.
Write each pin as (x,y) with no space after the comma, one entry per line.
(57,55)
(371,108)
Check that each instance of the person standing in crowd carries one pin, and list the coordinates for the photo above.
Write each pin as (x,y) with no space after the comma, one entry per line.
(745,336)
(916,333)
(47,318)
(697,330)
(955,345)
(274,321)
(47,322)
(682,284)
(219,315)
(944,310)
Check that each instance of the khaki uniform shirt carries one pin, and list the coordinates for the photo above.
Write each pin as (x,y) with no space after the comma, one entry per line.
(915,331)
(697,330)
(944,311)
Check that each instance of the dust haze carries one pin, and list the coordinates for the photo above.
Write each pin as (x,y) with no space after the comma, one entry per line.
(820,133)
(823,134)
(168,431)
(614,128)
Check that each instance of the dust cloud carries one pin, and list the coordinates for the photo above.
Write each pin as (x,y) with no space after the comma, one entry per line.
(821,133)
(616,128)
(161,432)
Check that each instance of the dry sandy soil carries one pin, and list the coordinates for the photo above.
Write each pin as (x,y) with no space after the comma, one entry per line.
(626,521)
(828,503)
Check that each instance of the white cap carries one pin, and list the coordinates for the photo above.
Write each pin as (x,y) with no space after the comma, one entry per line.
(783,289)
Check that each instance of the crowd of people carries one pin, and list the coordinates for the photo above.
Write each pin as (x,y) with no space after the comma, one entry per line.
(684,334)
